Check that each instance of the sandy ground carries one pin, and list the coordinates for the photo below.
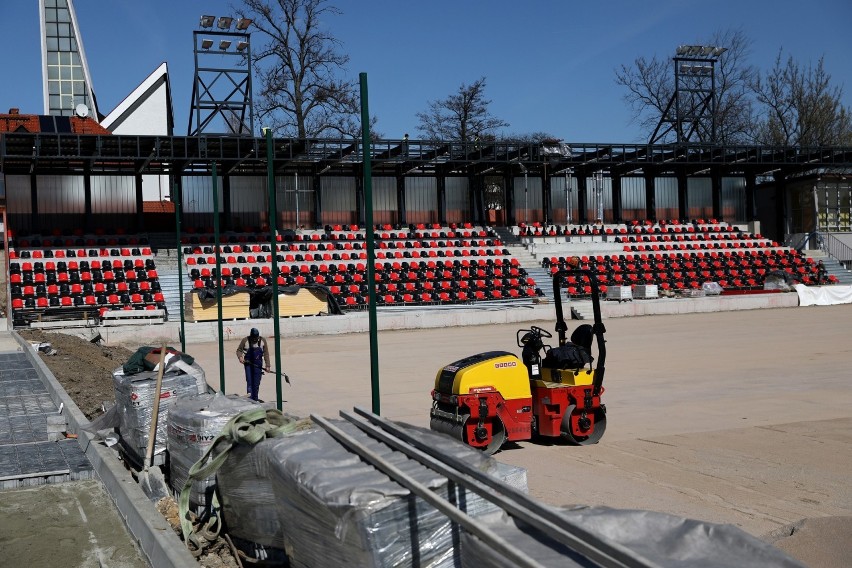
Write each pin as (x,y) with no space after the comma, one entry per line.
(735,417)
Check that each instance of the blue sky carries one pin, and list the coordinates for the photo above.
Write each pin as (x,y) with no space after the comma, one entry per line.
(550,64)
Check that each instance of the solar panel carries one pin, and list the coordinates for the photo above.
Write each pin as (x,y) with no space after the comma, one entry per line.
(63,123)
(46,123)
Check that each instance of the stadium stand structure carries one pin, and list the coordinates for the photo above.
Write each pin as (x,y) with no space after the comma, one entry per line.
(81,277)
(415,265)
(673,255)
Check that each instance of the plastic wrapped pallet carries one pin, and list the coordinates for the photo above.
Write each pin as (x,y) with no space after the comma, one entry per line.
(308,495)
(134,399)
(194,422)
(662,539)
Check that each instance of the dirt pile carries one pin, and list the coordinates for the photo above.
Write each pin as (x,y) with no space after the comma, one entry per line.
(84,369)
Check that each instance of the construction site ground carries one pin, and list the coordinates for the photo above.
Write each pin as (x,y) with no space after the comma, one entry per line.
(732,417)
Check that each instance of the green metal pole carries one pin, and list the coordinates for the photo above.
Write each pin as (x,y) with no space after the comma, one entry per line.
(218,279)
(371,253)
(273,241)
(178,200)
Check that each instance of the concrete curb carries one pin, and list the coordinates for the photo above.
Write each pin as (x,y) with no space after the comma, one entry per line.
(155,537)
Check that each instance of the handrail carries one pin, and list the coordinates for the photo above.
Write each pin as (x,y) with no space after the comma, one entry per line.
(838,249)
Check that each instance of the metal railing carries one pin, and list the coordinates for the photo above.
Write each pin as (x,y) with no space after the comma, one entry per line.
(829,244)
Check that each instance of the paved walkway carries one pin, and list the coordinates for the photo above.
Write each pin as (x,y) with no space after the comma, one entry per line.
(52,510)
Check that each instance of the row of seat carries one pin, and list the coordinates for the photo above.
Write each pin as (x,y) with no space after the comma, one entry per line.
(82,253)
(83,265)
(77,289)
(76,277)
(145,301)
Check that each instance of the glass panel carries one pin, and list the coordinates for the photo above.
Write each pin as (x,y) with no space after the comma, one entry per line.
(54,101)
(50,3)
(65,58)
(74,45)
(52,58)
(64,44)
(65,73)
(75,58)
(52,72)
(53,87)
(65,30)
(50,30)
(62,15)
(52,44)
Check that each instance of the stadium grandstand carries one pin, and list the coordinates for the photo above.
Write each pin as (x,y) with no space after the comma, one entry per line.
(98,208)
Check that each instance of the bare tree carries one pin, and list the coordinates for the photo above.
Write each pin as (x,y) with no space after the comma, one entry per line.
(299,68)
(650,87)
(802,108)
(461,116)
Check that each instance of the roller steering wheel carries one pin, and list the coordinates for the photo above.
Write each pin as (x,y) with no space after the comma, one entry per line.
(541,332)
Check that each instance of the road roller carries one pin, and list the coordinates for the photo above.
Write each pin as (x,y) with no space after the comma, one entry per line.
(491,398)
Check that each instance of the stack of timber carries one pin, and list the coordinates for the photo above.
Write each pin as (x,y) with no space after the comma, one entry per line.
(234,306)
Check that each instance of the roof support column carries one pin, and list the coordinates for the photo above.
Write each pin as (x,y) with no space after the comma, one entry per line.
(317,187)
(716,192)
(509,197)
(87,202)
(140,214)
(226,203)
(400,199)
(650,196)
(36,228)
(751,206)
(682,195)
(781,220)
(582,195)
(359,201)
(617,207)
(441,183)
(545,196)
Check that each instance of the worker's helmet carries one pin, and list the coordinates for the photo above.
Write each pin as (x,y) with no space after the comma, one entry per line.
(254,332)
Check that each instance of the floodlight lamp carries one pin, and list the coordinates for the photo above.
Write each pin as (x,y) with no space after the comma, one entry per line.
(225,22)
(243,23)
(707,50)
(242,45)
(719,51)
(224,44)
(206,43)
(207,21)
(681,50)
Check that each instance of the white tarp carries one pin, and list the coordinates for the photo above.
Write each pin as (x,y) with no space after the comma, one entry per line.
(824,295)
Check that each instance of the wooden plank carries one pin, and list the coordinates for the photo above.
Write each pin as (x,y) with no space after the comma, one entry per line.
(304,303)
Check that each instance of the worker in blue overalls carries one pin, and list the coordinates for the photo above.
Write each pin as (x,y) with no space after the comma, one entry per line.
(253,353)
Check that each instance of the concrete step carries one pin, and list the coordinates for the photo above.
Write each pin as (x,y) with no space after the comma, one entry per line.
(581,309)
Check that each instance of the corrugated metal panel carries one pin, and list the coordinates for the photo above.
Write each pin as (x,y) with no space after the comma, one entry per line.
(288,203)
(249,194)
(18,200)
(384,200)
(558,205)
(339,203)
(733,199)
(60,194)
(528,204)
(699,196)
(198,194)
(113,194)
(458,200)
(421,200)
(633,198)
(606,194)
(665,197)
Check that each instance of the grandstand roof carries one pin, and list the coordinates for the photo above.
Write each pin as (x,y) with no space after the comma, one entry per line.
(44,124)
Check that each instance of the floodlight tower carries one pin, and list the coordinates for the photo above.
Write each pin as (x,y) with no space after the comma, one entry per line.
(691,112)
(221,89)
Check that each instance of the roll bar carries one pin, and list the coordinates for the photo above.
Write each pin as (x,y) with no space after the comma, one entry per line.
(598,327)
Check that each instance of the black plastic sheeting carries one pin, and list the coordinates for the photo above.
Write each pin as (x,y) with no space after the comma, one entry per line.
(261,298)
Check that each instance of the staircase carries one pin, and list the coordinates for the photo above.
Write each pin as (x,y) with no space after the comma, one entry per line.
(167,272)
(506,235)
(533,268)
(832,266)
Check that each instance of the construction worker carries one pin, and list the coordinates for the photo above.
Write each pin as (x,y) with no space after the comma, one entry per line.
(822,273)
(253,353)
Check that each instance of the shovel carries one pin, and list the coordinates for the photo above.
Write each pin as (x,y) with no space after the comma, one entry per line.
(151,478)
